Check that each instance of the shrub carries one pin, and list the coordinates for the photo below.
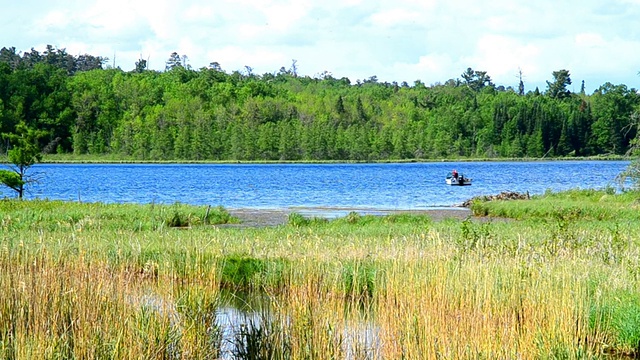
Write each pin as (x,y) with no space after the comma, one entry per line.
(296,219)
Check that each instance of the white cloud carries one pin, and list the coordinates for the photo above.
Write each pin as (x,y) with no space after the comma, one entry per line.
(502,57)
(396,17)
(614,59)
(234,58)
(430,69)
(401,40)
(198,12)
(283,17)
(589,40)
(350,2)
(54,19)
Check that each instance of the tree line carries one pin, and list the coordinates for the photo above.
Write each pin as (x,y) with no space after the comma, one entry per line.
(80,106)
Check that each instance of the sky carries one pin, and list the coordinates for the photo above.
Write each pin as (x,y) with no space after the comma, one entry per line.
(400,40)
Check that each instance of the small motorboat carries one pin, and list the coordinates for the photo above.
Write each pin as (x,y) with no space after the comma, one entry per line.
(454,178)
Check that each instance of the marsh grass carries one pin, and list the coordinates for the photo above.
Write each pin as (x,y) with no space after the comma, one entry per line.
(618,312)
(115,281)
(600,205)
(260,337)
(59,215)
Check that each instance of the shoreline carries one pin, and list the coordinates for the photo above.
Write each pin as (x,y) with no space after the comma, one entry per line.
(98,160)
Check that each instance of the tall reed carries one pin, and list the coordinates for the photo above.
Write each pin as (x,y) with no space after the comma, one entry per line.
(85,282)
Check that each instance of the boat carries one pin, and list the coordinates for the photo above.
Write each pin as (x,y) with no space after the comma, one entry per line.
(454,178)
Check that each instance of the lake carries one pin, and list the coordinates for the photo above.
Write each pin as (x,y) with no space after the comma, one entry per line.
(396,186)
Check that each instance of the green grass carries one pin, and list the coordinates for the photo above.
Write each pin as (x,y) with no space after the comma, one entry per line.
(617,314)
(558,280)
(589,205)
(52,215)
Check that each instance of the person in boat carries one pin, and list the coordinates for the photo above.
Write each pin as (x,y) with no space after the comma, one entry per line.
(454,173)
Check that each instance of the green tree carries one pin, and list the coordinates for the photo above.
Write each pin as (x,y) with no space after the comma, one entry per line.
(558,88)
(141,66)
(174,61)
(24,152)
(520,83)
(632,172)
(612,108)
(476,80)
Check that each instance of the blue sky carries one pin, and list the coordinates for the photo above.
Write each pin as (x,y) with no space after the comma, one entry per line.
(400,40)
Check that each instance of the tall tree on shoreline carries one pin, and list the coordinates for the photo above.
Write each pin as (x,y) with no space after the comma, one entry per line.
(23,154)
(632,172)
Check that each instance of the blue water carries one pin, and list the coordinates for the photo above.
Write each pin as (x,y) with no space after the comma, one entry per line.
(277,186)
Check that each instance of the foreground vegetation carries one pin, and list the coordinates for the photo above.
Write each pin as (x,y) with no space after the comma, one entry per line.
(121,281)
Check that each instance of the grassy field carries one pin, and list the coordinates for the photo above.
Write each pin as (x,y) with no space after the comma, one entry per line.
(554,277)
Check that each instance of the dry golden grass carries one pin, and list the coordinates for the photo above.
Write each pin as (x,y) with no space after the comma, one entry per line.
(374,289)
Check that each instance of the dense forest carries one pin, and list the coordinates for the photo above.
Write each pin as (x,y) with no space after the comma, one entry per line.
(182,113)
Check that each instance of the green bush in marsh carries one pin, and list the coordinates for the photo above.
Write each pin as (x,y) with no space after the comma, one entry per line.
(245,272)
(182,215)
(298,220)
(360,279)
(405,218)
